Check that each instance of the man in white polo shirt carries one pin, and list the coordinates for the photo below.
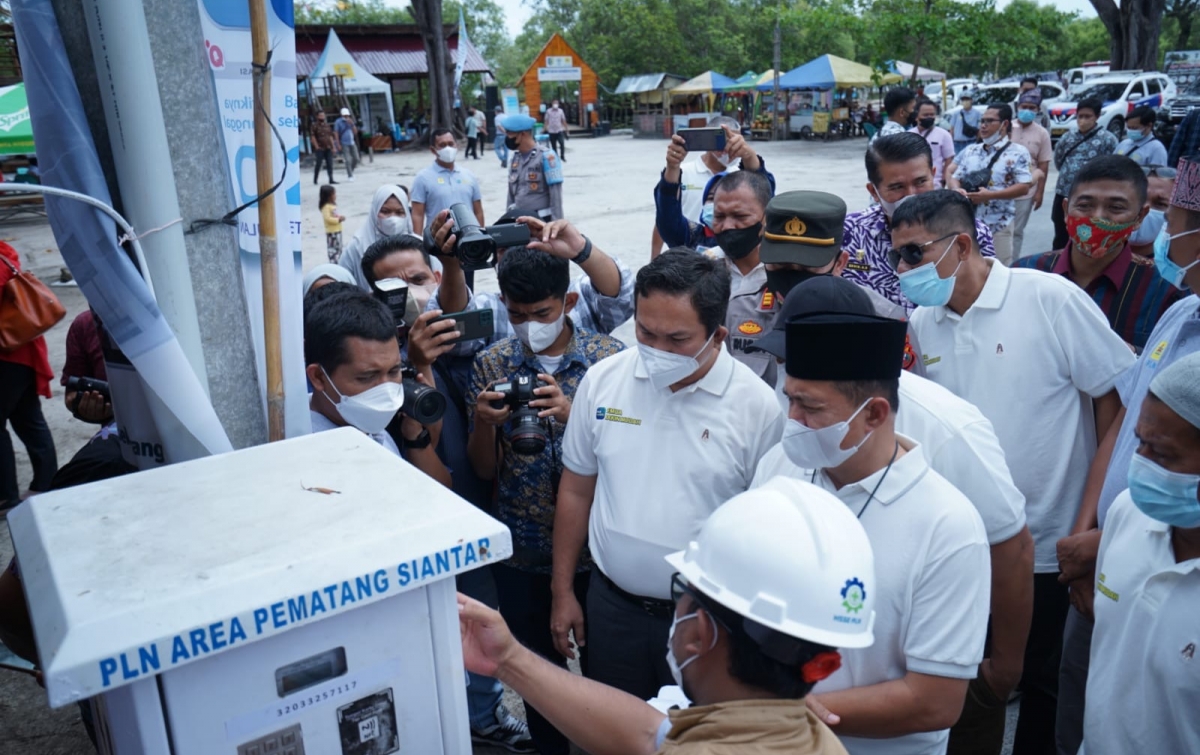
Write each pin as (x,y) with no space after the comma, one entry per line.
(902,694)
(1039,359)
(960,445)
(1143,686)
(659,437)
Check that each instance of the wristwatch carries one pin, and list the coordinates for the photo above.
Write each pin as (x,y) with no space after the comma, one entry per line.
(582,257)
(421,441)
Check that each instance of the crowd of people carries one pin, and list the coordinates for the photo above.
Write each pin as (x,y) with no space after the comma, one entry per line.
(864,477)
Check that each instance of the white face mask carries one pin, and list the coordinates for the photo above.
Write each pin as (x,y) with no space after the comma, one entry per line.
(447,154)
(675,666)
(724,159)
(667,368)
(422,294)
(539,336)
(820,448)
(990,140)
(394,226)
(889,208)
(371,410)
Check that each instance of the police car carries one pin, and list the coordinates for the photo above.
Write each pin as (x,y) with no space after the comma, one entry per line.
(1003,93)
(1121,92)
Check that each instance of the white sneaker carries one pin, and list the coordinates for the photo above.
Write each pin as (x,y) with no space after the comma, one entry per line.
(350,179)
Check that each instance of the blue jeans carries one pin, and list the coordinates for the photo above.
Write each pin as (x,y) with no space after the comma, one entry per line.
(501,149)
(483,692)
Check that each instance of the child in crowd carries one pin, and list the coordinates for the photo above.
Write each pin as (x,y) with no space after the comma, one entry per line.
(333,222)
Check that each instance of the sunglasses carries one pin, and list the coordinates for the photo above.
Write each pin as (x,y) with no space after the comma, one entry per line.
(1160,171)
(912,253)
(681,587)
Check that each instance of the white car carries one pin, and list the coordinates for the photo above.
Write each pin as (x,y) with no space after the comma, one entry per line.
(954,88)
(1120,93)
(1005,93)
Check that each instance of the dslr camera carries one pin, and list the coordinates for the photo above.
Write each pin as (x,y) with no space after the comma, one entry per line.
(528,434)
(421,402)
(475,246)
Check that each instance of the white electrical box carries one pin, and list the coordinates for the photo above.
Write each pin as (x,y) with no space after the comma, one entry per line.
(292,598)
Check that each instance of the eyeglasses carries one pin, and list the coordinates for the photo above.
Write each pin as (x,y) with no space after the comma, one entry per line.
(912,253)
(989,121)
(1159,171)
(681,587)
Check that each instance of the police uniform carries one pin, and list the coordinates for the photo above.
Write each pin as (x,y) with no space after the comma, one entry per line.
(751,314)
(534,177)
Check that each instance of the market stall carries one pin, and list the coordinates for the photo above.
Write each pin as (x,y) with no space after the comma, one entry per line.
(826,74)
(920,75)
(706,87)
(371,96)
(651,98)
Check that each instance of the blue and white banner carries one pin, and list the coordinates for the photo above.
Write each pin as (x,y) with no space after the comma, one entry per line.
(460,56)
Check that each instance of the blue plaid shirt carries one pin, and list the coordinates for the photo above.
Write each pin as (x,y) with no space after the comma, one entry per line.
(1186,141)
(528,485)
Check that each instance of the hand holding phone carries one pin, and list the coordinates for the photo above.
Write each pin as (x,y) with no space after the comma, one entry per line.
(471,324)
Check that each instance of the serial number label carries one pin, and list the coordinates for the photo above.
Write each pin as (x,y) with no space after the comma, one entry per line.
(316,698)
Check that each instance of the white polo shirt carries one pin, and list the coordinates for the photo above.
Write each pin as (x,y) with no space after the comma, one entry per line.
(1143,687)
(934,572)
(1031,353)
(961,446)
(663,461)
(694,175)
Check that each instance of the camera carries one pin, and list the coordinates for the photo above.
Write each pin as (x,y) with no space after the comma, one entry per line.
(393,292)
(421,402)
(528,435)
(475,246)
(85,384)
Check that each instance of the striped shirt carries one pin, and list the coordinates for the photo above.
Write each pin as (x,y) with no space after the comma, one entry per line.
(1131,295)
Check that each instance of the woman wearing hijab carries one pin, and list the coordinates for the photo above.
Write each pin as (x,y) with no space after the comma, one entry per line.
(390,216)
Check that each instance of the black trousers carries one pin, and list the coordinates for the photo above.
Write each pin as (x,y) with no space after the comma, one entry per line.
(525,605)
(628,646)
(325,155)
(472,146)
(21,408)
(1039,680)
(558,144)
(1059,217)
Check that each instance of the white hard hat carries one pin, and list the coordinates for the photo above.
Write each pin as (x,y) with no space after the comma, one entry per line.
(791,557)
(345,111)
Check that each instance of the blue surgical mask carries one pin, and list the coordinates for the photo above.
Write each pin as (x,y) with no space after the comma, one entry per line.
(1137,136)
(1026,116)
(1163,495)
(706,216)
(924,287)
(1148,231)
(1171,272)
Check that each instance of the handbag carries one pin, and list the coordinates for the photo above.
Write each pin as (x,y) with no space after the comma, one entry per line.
(968,130)
(27,309)
(977,179)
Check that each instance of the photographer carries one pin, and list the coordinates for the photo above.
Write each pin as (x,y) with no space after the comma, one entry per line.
(85,359)
(605,293)
(353,362)
(551,352)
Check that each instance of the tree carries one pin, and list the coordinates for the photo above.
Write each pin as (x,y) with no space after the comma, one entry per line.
(1133,28)
(1184,13)
(349,12)
(428,17)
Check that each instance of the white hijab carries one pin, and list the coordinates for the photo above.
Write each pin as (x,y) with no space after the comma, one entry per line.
(369,233)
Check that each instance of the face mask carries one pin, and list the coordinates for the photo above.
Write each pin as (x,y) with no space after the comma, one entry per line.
(1137,136)
(990,140)
(924,287)
(889,208)
(724,159)
(780,282)
(739,242)
(926,123)
(447,154)
(667,368)
(1170,272)
(821,448)
(394,226)
(675,666)
(1026,116)
(1163,495)
(539,336)
(706,216)
(422,294)
(371,410)
(1096,237)
(1148,231)
(511,142)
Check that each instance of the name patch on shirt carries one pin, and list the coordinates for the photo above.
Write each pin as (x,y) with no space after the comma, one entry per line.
(1105,591)
(930,360)
(615,415)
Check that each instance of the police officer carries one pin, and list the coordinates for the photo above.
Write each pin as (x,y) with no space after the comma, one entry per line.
(534,174)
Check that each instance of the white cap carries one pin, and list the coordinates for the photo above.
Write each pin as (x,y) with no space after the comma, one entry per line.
(345,111)
(791,557)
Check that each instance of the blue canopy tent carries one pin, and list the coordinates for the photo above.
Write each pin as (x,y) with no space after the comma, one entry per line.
(829,72)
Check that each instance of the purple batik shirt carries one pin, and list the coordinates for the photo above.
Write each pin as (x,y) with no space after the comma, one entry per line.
(868,239)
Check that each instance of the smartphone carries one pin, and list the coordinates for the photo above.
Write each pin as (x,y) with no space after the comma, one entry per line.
(472,324)
(703,139)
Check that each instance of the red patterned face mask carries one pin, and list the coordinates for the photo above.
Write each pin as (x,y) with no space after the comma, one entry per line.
(1096,237)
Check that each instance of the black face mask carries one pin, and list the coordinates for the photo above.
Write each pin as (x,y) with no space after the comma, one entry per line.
(511,142)
(780,282)
(927,123)
(738,242)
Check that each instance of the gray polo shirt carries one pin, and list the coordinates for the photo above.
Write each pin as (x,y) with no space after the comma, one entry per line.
(437,188)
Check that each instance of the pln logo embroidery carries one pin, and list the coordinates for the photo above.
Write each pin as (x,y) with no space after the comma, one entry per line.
(854,595)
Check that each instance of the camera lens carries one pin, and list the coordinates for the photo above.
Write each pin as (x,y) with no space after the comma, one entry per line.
(422,403)
(528,436)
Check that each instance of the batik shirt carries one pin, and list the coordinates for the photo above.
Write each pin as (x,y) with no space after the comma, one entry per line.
(1012,168)
(867,236)
(1069,165)
(528,485)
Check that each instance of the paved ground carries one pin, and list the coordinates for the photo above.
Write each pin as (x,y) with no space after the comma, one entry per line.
(607,193)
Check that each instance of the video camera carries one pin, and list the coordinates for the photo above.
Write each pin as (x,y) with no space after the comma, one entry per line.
(475,246)
(421,402)
(528,435)
(83,385)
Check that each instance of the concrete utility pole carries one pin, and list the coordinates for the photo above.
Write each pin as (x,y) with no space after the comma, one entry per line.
(186,93)
(777,131)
